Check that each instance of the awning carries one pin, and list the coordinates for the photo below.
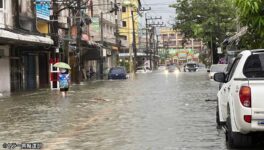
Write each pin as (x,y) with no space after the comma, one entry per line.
(25,37)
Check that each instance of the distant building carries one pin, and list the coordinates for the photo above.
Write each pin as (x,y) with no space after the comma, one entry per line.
(126,30)
(172,42)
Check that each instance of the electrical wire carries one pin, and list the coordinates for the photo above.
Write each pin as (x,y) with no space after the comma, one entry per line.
(159,10)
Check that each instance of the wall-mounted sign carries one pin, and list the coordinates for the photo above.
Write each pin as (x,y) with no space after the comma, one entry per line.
(219,50)
(104,52)
(43,9)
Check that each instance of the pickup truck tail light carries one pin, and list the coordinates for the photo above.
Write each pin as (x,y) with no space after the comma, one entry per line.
(245,96)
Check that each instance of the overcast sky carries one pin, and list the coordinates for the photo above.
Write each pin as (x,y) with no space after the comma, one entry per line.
(160,8)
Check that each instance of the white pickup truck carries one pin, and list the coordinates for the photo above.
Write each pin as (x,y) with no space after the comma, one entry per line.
(240,107)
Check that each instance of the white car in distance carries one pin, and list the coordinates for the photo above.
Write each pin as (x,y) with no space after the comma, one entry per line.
(240,103)
(216,68)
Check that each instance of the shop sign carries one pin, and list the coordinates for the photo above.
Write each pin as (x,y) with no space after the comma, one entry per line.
(43,9)
(182,55)
(104,52)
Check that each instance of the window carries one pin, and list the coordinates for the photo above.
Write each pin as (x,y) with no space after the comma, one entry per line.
(125,37)
(124,23)
(1,4)
(172,43)
(165,35)
(172,36)
(254,66)
(123,9)
(192,65)
(233,68)
(117,71)
(165,43)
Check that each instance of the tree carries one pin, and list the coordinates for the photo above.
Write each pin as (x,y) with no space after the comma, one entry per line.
(251,14)
(209,20)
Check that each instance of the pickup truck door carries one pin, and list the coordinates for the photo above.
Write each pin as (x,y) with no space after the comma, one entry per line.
(223,99)
(227,88)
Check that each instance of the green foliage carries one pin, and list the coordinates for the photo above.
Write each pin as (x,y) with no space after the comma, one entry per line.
(209,20)
(205,19)
(204,59)
(251,14)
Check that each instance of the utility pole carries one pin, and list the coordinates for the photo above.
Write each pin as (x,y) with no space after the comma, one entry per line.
(147,40)
(78,41)
(146,20)
(134,41)
(156,52)
(102,42)
(117,32)
(54,30)
(163,49)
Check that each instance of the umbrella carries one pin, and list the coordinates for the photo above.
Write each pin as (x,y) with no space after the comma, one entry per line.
(62,65)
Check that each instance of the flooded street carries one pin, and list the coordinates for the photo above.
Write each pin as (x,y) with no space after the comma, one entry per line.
(151,112)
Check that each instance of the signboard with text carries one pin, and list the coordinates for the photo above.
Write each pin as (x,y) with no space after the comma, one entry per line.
(43,9)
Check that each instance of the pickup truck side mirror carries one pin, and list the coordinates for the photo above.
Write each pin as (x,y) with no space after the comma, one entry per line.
(220,77)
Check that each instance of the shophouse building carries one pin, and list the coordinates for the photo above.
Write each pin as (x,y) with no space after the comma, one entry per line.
(25,46)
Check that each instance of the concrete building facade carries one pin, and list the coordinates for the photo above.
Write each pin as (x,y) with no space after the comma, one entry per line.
(24,50)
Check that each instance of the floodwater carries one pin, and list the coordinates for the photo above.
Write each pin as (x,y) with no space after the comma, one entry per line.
(153,111)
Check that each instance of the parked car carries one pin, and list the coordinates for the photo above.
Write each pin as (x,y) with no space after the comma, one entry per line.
(117,73)
(216,68)
(190,66)
(240,105)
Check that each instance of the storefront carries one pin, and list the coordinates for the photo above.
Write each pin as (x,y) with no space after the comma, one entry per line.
(25,65)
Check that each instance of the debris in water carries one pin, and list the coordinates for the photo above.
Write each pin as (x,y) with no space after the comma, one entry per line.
(211,100)
(101,99)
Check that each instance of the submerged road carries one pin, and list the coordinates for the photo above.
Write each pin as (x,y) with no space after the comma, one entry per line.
(153,111)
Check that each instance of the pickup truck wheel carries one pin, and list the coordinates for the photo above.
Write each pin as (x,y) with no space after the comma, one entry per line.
(236,140)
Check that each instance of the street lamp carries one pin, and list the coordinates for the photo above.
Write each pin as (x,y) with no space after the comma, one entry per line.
(132,68)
